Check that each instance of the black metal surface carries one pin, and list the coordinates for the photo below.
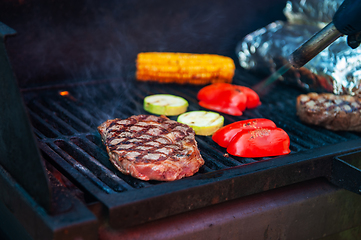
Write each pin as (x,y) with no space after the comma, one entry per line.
(23,218)
(346,171)
(18,151)
(312,209)
(66,130)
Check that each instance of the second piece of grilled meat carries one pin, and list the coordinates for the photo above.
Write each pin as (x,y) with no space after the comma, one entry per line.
(334,112)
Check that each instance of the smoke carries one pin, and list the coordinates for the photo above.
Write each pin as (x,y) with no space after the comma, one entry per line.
(60,41)
(67,42)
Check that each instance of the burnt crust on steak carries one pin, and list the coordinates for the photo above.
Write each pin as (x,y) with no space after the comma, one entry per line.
(151,148)
(334,112)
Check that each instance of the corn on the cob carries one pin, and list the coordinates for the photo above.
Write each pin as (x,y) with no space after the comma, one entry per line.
(182,68)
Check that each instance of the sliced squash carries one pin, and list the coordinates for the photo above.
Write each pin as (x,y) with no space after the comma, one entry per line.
(165,104)
(204,123)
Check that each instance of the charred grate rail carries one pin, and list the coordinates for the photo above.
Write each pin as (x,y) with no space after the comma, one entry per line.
(65,119)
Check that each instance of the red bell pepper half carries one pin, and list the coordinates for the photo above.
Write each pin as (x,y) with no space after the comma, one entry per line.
(228,98)
(224,135)
(261,142)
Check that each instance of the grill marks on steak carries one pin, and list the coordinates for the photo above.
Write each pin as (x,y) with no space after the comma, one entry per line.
(334,112)
(151,148)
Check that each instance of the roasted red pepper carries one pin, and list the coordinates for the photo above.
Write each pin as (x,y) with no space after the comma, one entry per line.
(224,135)
(261,142)
(228,98)
(252,97)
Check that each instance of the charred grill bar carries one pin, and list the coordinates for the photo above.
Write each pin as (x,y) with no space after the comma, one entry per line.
(75,191)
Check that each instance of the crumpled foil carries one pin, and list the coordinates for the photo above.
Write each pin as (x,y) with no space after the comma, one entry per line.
(311,12)
(336,69)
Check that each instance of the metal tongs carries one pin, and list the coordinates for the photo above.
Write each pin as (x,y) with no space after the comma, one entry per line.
(346,21)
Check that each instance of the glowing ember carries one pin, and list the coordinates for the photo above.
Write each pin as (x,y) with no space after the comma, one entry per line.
(64,93)
(67,95)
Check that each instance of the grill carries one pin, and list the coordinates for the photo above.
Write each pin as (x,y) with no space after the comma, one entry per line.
(65,127)
(81,189)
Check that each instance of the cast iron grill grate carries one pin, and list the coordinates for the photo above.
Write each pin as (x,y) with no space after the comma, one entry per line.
(65,126)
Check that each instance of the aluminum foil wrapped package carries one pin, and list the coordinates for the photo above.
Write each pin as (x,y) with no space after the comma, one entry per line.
(311,12)
(336,69)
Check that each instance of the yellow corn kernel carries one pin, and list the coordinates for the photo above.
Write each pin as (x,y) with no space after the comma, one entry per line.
(182,68)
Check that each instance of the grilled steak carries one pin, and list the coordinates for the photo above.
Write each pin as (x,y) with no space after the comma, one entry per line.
(334,112)
(151,148)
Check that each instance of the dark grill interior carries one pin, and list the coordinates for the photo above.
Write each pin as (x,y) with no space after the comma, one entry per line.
(88,48)
(65,127)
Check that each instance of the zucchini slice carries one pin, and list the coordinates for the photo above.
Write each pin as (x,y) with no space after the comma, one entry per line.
(165,104)
(204,123)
